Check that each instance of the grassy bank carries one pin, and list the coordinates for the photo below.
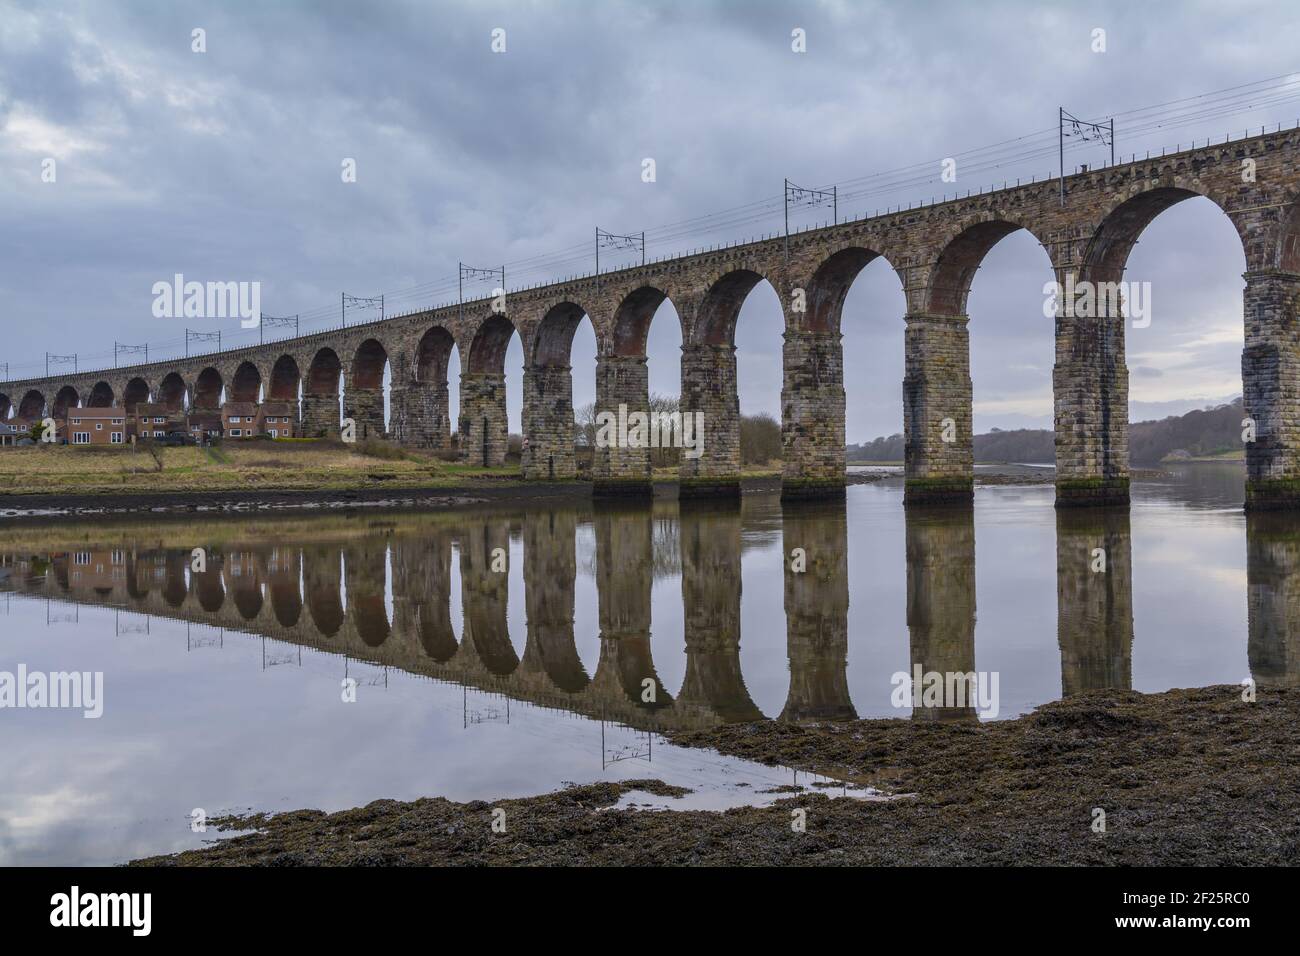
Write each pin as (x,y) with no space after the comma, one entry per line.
(1187,777)
(233,466)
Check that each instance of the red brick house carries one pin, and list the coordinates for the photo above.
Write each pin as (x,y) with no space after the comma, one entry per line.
(96,426)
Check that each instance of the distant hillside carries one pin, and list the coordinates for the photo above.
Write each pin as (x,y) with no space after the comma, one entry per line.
(1206,431)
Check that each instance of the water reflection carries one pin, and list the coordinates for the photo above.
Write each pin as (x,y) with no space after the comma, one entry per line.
(1273,582)
(431,594)
(1094,598)
(941,600)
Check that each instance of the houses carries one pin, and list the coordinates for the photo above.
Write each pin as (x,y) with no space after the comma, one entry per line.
(239,419)
(97,426)
(204,426)
(156,422)
(277,419)
(251,420)
(150,420)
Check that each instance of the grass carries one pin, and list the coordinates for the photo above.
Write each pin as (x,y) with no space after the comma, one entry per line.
(260,465)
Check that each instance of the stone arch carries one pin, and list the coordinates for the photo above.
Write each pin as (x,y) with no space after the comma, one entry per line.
(632,320)
(245,384)
(548,395)
(135,393)
(368,364)
(66,398)
(553,339)
(320,395)
(1105,256)
(285,376)
(422,410)
(323,373)
(829,287)
(32,406)
(1287,255)
(364,398)
(171,392)
(432,355)
(6,406)
(487,350)
(207,389)
(954,270)
(715,322)
(101,396)
(484,425)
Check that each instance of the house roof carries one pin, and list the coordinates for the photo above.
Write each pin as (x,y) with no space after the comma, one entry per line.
(111,411)
(153,409)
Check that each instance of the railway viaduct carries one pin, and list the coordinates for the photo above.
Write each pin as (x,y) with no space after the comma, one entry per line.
(935,249)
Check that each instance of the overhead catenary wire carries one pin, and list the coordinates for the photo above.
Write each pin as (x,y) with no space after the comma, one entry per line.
(1241,99)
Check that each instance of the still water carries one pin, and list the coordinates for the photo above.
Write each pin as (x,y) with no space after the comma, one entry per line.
(504,651)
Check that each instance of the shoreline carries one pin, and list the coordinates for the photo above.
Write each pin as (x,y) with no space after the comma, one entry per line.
(470,492)
(1184,777)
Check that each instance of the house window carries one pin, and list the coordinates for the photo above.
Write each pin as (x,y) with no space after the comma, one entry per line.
(236,433)
(99,426)
(159,434)
(81,557)
(117,421)
(76,421)
(159,421)
(273,433)
(81,438)
(235,419)
(115,438)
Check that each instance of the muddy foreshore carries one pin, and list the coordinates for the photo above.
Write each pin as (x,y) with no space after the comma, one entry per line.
(1190,777)
(472,492)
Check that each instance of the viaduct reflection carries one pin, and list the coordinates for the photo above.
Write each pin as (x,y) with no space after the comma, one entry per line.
(381,591)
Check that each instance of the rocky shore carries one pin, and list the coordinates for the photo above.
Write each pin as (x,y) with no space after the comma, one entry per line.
(1187,777)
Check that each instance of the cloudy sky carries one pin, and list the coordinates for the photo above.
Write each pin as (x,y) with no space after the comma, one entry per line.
(225,164)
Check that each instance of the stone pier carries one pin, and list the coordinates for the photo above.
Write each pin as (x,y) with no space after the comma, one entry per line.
(548,423)
(320,415)
(420,413)
(484,432)
(938,445)
(709,388)
(619,470)
(812,415)
(365,406)
(1090,384)
(1270,373)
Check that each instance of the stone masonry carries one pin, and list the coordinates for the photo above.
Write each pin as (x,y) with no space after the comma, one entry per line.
(935,249)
